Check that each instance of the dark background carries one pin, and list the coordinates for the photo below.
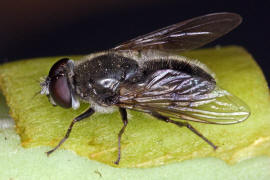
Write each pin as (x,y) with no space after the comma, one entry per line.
(34,28)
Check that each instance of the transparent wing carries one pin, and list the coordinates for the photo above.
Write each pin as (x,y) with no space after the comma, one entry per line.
(184,97)
(186,35)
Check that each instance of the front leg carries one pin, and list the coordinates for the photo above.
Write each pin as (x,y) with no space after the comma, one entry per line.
(84,115)
(123,113)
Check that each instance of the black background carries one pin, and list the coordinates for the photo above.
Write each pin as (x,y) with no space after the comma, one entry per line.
(39,28)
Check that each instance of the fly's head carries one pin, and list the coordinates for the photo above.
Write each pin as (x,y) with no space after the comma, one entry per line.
(59,86)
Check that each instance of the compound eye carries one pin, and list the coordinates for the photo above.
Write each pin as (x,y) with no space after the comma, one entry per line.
(60,92)
(58,67)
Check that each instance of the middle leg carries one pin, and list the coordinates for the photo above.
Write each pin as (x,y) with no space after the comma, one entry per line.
(123,113)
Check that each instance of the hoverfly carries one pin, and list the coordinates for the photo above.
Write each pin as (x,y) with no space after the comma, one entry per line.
(144,74)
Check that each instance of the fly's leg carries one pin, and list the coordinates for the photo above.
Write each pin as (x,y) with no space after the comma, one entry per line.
(84,115)
(181,124)
(123,113)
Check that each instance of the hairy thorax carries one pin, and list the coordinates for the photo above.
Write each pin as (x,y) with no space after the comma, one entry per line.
(99,78)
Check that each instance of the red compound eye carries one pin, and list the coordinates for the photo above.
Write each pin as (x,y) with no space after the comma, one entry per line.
(60,92)
(58,84)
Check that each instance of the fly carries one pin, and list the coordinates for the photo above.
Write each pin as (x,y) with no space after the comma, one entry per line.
(144,74)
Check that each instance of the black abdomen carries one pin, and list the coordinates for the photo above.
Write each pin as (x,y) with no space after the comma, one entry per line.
(182,66)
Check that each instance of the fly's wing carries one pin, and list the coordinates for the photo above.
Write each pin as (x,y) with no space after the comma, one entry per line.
(181,96)
(186,35)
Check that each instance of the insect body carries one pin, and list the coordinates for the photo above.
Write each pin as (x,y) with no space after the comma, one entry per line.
(144,75)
